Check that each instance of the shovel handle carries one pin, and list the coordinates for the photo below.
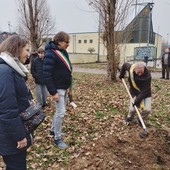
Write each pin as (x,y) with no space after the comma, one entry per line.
(137,111)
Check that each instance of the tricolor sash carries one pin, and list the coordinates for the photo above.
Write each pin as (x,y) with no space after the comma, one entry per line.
(65,61)
(63,58)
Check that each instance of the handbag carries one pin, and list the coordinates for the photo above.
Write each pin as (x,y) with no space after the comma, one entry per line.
(32,117)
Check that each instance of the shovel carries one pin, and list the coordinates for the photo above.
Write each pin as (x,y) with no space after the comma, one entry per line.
(145,133)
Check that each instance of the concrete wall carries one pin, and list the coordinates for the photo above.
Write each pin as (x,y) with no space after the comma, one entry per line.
(78,58)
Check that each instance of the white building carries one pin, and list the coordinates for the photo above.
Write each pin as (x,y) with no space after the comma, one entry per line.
(142,42)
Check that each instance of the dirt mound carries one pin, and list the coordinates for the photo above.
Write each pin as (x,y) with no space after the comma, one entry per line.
(127,151)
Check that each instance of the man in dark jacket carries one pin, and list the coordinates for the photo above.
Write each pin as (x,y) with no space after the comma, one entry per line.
(37,73)
(57,75)
(165,64)
(140,89)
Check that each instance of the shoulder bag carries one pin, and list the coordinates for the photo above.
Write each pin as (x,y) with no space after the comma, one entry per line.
(32,117)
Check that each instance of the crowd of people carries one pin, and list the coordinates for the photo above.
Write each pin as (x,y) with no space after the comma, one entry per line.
(51,70)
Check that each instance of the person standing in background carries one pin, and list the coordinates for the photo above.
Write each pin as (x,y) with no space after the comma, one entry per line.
(37,73)
(165,64)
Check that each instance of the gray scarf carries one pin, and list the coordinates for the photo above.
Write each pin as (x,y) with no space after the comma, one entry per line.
(14,63)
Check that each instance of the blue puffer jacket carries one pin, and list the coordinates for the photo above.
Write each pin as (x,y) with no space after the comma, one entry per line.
(13,100)
(56,74)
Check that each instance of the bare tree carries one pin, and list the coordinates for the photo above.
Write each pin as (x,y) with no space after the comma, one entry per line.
(113,16)
(34,21)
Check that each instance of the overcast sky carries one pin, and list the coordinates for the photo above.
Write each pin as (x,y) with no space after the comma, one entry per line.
(74,16)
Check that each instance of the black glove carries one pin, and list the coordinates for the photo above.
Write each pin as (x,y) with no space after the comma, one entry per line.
(133,104)
(136,104)
(121,77)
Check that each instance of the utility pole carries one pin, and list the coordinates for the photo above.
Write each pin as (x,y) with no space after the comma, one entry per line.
(149,30)
(9,26)
(156,57)
(99,27)
(47,31)
(136,8)
(149,22)
(167,39)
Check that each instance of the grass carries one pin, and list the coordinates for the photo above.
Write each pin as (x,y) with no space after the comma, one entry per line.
(99,115)
(93,65)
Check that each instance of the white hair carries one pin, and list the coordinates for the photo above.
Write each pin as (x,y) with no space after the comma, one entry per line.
(139,65)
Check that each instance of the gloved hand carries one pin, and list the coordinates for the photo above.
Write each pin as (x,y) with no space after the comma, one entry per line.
(136,104)
(120,76)
(133,104)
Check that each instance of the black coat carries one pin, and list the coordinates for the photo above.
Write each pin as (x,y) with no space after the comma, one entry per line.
(37,70)
(13,100)
(162,59)
(143,83)
(56,74)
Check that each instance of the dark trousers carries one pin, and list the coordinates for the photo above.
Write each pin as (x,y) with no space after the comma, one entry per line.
(16,162)
(165,69)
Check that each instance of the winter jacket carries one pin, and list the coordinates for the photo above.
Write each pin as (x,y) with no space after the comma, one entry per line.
(13,100)
(162,59)
(56,74)
(37,70)
(143,83)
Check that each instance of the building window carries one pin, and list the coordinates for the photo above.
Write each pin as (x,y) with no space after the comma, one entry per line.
(91,41)
(79,41)
(85,41)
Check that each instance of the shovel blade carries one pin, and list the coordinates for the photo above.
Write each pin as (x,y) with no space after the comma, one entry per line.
(143,134)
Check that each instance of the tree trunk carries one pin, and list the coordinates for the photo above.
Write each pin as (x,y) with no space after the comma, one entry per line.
(113,15)
(110,40)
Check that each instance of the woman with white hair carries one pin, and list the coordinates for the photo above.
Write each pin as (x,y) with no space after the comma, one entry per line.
(140,89)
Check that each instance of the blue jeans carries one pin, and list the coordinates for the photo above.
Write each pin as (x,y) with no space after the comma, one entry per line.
(41,93)
(16,161)
(59,114)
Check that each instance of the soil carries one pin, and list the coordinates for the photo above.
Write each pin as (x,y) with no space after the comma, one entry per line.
(121,150)
(126,150)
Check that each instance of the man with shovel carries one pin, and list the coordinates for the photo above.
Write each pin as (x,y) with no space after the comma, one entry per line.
(140,90)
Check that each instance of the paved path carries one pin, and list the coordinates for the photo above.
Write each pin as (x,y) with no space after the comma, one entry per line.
(155,75)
